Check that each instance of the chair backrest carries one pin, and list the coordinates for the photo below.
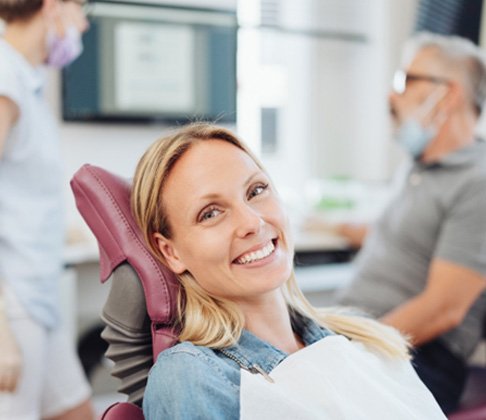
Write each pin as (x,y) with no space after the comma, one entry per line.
(141,307)
(124,411)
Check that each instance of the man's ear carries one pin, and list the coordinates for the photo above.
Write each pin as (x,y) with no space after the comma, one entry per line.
(166,247)
(455,97)
(452,96)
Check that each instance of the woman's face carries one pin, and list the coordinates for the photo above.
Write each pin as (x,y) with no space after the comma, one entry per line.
(229,229)
(63,14)
(73,14)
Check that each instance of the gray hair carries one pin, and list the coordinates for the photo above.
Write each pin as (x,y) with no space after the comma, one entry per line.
(459,56)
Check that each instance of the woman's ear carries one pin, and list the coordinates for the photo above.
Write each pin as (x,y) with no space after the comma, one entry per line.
(166,248)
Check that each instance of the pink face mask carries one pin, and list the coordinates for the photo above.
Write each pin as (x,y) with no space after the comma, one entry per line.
(62,51)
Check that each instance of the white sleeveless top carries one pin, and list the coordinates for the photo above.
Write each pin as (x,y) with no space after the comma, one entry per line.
(31,220)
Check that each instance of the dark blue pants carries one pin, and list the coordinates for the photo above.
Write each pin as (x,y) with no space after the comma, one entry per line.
(442,372)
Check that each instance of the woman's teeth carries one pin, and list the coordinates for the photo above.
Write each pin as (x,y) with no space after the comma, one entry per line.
(257,255)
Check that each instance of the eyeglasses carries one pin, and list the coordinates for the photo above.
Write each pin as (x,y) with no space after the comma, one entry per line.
(401,80)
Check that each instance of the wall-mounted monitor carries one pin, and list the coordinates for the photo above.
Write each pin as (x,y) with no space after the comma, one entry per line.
(147,62)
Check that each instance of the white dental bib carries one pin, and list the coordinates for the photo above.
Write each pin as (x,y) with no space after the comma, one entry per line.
(336,378)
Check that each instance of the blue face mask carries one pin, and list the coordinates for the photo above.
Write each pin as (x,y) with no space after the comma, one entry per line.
(411,134)
(414,137)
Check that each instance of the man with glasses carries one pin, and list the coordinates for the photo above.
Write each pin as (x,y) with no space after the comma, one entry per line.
(422,268)
(40,376)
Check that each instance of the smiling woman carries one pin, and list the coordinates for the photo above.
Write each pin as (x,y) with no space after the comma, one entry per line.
(210,212)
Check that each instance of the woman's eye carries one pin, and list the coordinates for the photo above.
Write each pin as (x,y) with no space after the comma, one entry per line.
(257,190)
(209,214)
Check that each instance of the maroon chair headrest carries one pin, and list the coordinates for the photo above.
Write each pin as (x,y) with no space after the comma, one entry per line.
(103,199)
(122,411)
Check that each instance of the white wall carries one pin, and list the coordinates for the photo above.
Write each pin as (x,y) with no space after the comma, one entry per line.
(332,93)
(352,99)
(399,28)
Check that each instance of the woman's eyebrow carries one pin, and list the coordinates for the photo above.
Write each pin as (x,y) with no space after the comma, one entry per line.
(250,178)
(213,196)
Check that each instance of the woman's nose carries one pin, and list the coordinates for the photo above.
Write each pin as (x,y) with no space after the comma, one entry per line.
(247,221)
(85,24)
(82,22)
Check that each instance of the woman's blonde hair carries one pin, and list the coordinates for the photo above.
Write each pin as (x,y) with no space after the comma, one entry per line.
(209,320)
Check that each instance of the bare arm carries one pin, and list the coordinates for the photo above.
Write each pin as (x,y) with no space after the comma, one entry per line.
(355,233)
(10,361)
(8,115)
(450,292)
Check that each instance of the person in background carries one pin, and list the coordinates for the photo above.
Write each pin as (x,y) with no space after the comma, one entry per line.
(40,376)
(251,346)
(422,267)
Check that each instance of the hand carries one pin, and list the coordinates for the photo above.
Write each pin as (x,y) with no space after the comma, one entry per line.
(354,233)
(10,358)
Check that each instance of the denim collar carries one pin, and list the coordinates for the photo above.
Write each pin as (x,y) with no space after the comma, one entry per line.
(252,353)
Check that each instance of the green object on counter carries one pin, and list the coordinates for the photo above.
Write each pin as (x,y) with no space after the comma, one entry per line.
(333,203)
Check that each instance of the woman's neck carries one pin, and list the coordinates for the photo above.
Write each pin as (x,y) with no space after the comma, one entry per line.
(269,320)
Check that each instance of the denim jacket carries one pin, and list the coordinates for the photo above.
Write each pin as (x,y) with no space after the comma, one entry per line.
(194,382)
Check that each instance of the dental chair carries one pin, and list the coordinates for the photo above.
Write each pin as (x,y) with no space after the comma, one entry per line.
(139,313)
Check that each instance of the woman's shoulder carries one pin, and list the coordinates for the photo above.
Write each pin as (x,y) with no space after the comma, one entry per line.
(181,357)
(9,68)
(199,360)
(182,379)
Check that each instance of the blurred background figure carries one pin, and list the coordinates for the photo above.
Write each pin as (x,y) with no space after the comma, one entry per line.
(422,268)
(40,376)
